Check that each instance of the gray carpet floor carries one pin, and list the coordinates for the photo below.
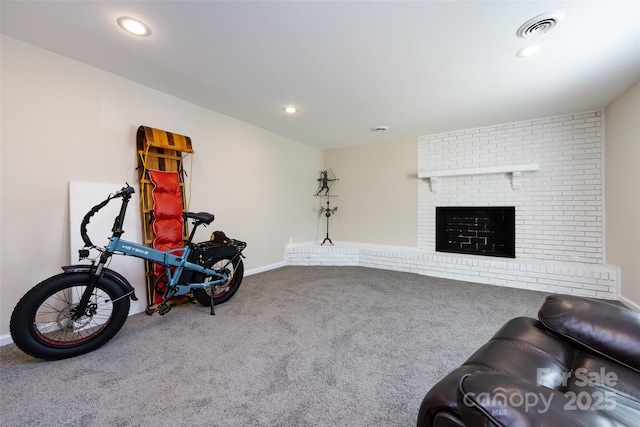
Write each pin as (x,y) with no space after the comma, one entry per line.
(296,346)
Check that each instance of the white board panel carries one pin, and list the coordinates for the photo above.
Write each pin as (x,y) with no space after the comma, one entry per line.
(85,195)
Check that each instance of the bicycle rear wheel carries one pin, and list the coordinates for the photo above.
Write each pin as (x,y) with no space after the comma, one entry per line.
(224,291)
(43,325)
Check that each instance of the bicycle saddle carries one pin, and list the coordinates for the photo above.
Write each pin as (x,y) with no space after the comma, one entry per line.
(202,217)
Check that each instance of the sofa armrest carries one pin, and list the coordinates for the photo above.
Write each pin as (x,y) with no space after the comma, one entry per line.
(604,328)
(495,400)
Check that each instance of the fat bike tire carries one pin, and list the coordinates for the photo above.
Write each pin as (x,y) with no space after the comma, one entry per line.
(224,291)
(42,325)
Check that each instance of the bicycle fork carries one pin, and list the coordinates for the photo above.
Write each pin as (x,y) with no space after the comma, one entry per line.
(83,308)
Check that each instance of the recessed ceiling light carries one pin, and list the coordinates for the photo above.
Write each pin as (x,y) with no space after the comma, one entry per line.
(379,128)
(290,109)
(528,51)
(134,26)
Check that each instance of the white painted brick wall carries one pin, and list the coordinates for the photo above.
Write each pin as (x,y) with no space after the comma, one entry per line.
(321,255)
(558,208)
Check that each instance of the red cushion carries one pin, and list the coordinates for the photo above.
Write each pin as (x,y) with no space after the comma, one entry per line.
(168,222)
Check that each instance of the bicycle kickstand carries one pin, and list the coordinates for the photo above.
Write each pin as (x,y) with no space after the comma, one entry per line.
(213,312)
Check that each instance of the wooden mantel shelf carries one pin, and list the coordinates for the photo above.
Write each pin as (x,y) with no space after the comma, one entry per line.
(514,170)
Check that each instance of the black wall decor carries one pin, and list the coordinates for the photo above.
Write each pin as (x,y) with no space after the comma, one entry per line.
(324,185)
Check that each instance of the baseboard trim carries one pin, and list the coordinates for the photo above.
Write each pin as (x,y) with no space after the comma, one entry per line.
(265,268)
(5,340)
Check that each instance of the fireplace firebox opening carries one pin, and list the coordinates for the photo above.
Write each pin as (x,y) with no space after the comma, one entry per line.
(484,230)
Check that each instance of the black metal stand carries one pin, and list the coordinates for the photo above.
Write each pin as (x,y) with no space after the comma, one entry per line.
(327,212)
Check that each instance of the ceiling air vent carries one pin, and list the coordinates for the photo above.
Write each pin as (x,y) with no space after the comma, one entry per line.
(540,24)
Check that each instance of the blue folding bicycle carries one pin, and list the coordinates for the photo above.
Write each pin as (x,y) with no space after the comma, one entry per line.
(80,309)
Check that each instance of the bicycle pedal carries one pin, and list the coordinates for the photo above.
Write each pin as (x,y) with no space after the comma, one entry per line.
(163,309)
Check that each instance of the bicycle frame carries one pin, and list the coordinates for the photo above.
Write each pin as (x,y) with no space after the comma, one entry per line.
(167,259)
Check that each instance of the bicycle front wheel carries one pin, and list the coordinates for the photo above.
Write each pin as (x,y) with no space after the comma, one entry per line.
(44,323)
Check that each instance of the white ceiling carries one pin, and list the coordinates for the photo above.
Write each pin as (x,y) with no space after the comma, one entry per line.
(419,67)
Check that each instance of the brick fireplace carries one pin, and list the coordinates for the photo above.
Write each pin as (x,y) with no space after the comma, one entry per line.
(560,203)
(549,170)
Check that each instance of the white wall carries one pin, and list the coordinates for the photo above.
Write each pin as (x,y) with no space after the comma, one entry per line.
(65,121)
(622,190)
(378,193)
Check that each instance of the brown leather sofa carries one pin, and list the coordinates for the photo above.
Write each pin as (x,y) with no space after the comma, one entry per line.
(577,365)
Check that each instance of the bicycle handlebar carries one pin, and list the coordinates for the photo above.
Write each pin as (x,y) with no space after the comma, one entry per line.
(125,193)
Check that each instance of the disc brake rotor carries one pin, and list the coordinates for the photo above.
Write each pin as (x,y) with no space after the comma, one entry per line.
(65,318)
(218,289)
